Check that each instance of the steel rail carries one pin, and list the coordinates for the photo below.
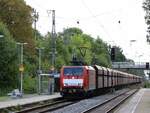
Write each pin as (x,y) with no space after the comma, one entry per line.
(15,108)
(47,107)
(34,108)
(99,107)
(53,108)
(120,102)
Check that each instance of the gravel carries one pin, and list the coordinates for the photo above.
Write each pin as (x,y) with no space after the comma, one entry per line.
(85,104)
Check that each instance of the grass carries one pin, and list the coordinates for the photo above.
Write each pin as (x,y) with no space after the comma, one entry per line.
(147,84)
(3,98)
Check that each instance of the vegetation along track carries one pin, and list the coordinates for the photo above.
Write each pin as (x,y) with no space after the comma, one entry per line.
(109,105)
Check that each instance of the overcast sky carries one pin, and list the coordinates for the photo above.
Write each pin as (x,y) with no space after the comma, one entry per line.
(115,21)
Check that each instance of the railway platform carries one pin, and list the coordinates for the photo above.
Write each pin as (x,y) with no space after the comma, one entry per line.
(138,103)
(27,99)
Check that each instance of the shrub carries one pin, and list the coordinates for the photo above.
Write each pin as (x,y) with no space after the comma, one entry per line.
(29,85)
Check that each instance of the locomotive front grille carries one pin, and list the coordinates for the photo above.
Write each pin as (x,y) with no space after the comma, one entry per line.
(73,90)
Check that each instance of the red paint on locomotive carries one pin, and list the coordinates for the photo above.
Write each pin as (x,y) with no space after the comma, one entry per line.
(83,79)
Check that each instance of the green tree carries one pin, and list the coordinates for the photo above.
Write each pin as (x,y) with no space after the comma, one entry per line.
(18,18)
(101,53)
(69,42)
(8,59)
(146,6)
(119,56)
(74,38)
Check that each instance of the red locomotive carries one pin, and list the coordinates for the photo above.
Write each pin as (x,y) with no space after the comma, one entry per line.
(86,79)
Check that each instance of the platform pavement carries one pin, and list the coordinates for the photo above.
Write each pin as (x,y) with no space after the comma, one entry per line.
(139,103)
(27,100)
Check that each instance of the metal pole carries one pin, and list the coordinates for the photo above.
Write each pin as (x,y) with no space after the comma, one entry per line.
(21,90)
(21,53)
(39,70)
(53,46)
(40,59)
(53,38)
(21,64)
(53,34)
(36,17)
(39,84)
(35,29)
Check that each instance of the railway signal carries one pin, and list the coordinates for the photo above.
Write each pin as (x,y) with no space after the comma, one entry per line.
(113,54)
(21,67)
(147,65)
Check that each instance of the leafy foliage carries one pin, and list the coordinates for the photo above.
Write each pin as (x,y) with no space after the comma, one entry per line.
(146,6)
(147,84)
(101,53)
(8,59)
(119,56)
(17,16)
(30,84)
(73,41)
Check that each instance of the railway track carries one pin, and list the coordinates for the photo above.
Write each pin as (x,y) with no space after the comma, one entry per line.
(100,104)
(109,105)
(47,107)
(17,108)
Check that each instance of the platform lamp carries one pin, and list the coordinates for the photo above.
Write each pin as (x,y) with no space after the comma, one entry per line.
(132,41)
(21,67)
(39,67)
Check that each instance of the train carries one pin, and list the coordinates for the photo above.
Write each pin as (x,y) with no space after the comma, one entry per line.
(82,80)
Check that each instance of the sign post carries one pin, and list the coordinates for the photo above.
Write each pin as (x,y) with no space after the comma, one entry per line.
(51,80)
(21,69)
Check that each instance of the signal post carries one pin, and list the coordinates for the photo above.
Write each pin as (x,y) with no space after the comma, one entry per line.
(21,69)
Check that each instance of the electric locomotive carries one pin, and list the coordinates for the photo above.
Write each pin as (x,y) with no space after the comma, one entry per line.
(77,80)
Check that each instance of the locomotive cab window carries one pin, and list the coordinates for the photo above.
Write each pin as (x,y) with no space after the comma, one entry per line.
(76,71)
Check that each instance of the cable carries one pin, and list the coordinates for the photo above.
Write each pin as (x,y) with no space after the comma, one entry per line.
(94,16)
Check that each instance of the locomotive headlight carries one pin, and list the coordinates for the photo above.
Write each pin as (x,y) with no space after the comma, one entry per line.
(80,84)
(65,84)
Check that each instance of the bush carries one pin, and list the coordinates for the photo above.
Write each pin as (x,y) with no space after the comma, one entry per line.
(8,60)
(4,91)
(29,84)
(146,84)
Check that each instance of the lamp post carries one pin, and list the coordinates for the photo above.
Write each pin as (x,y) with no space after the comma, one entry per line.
(39,68)
(53,45)
(139,58)
(131,41)
(35,19)
(21,67)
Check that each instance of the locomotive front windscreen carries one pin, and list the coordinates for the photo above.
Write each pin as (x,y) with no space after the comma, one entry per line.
(75,71)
